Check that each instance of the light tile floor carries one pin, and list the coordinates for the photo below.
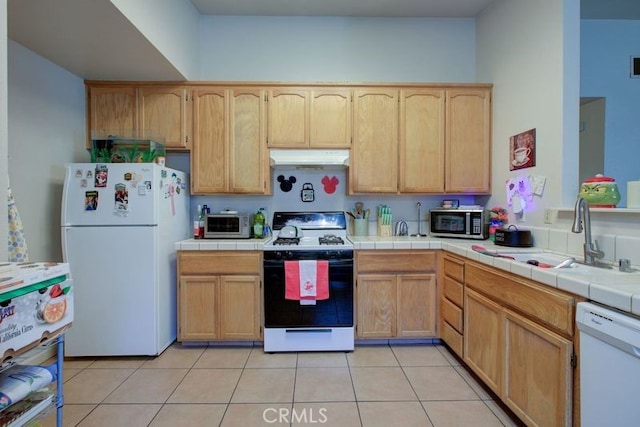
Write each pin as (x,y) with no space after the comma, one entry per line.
(397,385)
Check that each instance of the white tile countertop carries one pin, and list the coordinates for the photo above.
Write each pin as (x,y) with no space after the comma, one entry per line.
(611,287)
(221,244)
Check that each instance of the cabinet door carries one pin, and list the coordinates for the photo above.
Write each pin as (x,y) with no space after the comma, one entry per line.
(422,140)
(249,162)
(483,338)
(376,307)
(113,111)
(163,113)
(374,153)
(197,308)
(538,373)
(288,118)
(330,118)
(209,154)
(240,308)
(468,141)
(416,305)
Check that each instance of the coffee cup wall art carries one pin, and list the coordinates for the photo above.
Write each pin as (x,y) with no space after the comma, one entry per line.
(522,150)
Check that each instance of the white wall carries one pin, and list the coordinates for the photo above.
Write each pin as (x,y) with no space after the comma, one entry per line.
(523,48)
(4,228)
(171,26)
(305,49)
(46,130)
(606,48)
(334,49)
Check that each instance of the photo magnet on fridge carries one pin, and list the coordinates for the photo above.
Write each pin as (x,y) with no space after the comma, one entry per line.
(90,200)
(121,200)
(102,174)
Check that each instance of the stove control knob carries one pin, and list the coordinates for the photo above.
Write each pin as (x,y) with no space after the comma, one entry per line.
(289,254)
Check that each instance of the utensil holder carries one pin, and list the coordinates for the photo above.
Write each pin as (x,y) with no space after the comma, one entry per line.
(384,230)
(360,227)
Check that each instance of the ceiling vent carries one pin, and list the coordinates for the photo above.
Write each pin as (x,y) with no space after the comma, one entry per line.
(635,67)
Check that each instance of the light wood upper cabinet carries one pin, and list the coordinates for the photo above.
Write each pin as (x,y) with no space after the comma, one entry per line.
(330,118)
(374,154)
(164,112)
(468,141)
(288,118)
(309,118)
(113,110)
(140,111)
(422,140)
(229,153)
(249,163)
(210,150)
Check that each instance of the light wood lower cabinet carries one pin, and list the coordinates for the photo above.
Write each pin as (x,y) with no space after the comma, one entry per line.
(537,372)
(452,302)
(518,339)
(396,294)
(219,295)
(483,339)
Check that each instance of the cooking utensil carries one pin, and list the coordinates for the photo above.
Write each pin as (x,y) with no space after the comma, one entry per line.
(289,231)
(538,263)
(513,237)
(402,229)
(419,234)
(484,251)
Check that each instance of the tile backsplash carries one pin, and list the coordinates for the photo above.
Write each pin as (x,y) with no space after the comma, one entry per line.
(614,246)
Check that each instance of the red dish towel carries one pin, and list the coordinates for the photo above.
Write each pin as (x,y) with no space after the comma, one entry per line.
(299,280)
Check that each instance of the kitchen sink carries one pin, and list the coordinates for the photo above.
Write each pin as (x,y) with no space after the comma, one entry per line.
(542,259)
(550,260)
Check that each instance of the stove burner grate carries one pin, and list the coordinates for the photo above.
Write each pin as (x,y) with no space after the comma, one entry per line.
(286,241)
(330,239)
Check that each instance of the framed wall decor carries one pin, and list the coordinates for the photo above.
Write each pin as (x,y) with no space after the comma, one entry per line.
(522,150)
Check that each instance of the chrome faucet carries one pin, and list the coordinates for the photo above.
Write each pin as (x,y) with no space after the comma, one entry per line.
(581,219)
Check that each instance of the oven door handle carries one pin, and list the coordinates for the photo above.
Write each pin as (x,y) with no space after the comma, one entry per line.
(332,262)
(315,330)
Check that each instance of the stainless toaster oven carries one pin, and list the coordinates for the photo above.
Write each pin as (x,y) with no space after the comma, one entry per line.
(227,226)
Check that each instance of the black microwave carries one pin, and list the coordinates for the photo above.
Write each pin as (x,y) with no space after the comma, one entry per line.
(465,223)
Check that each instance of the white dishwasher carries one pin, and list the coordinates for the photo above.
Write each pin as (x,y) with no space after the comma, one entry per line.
(609,366)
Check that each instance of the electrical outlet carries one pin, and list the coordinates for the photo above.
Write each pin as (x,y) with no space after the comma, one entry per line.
(548,216)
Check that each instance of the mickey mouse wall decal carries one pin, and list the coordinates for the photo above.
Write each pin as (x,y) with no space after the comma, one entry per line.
(330,184)
(286,184)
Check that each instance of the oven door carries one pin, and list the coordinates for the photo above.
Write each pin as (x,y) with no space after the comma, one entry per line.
(336,311)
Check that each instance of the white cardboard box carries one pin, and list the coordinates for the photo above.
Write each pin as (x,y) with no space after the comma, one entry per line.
(40,306)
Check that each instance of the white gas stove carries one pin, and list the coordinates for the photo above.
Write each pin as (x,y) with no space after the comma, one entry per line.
(327,324)
(309,231)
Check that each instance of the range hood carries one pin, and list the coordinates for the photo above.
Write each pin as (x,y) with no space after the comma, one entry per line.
(309,158)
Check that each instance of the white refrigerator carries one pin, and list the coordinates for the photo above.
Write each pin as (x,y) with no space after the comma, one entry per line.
(120,222)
